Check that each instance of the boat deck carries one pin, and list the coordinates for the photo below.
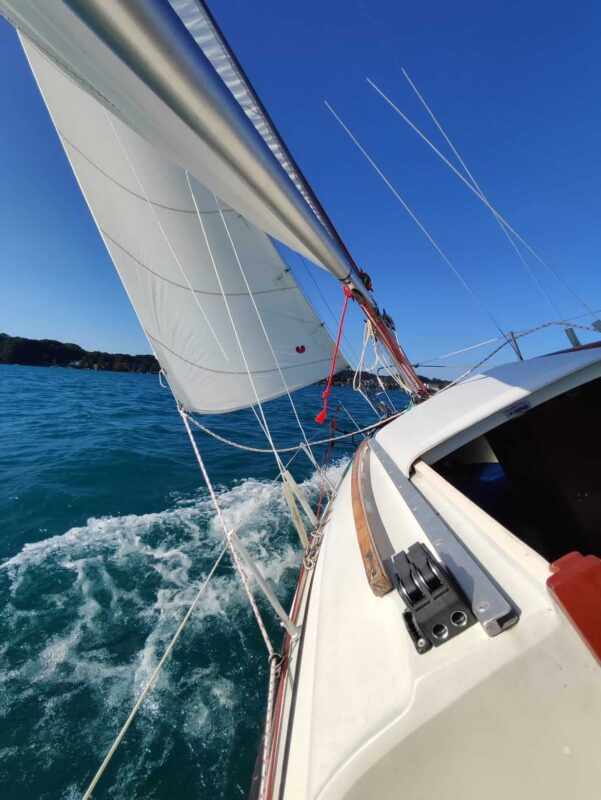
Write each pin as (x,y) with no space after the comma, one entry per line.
(513,715)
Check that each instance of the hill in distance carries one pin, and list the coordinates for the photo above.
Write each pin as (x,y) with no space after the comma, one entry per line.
(50,353)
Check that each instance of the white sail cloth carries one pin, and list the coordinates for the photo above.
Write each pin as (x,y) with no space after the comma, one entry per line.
(139,61)
(222,312)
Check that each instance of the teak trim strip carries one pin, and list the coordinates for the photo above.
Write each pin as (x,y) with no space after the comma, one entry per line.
(377,578)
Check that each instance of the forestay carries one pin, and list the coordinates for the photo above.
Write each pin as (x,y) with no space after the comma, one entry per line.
(222,312)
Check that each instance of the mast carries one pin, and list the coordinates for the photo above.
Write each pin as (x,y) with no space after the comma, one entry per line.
(286,158)
(150,38)
(137,58)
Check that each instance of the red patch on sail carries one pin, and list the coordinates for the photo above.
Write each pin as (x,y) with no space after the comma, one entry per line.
(300,348)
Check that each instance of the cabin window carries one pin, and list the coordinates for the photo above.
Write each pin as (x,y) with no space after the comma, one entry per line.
(538,474)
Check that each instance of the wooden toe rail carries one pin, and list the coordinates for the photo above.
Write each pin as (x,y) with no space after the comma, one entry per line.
(369,527)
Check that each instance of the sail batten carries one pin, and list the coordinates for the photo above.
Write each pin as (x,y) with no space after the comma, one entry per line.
(221,310)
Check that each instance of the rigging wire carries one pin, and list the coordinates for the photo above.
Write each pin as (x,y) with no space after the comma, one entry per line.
(417,221)
(228,535)
(266,429)
(303,261)
(518,334)
(475,367)
(263,328)
(167,652)
(470,175)
(274,658)
(295,448)
(483,199)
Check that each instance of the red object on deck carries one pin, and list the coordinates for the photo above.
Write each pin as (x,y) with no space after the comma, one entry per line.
(321,417)
(576,585)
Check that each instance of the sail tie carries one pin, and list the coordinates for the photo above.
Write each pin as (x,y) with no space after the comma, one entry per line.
(320,418)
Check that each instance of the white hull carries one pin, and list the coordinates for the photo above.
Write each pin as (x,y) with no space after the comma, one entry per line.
(364,715)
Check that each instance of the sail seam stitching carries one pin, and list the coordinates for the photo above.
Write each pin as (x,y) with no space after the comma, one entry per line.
(181,285)
(227,372)
(131,191)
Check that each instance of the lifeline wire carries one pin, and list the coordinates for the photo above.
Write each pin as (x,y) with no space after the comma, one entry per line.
(297,447)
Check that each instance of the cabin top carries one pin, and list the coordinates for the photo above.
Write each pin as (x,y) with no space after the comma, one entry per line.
(481,402)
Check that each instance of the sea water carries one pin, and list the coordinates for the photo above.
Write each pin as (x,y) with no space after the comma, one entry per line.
(106,534)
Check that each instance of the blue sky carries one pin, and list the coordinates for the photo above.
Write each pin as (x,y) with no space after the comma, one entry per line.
(515,84)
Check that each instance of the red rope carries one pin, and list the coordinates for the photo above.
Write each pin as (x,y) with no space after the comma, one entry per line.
(321,417)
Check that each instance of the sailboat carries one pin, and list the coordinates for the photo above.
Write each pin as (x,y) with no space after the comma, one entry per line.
(445,635)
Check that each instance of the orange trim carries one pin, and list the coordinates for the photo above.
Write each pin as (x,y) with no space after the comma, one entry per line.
(576,586)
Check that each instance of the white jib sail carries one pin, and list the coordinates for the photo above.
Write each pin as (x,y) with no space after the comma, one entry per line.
(222,312)
(138,60)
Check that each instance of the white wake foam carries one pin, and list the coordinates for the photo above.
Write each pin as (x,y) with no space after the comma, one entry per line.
(90,611)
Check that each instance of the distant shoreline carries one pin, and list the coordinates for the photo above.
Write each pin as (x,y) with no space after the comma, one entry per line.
(21,351)
(50,353)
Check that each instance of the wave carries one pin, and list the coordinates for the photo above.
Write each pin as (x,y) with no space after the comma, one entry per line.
(89,612)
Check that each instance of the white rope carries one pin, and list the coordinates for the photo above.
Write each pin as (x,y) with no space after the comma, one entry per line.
(263,328)
(169,245)
(457,352)
(228,536)
(475,367)
(274,668)
(297,447)
(482,198)
(369,336)
(152,679)
(266,430)
(357,377)
(417,221)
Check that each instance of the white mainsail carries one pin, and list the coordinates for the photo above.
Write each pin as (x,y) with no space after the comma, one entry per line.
(222,312)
